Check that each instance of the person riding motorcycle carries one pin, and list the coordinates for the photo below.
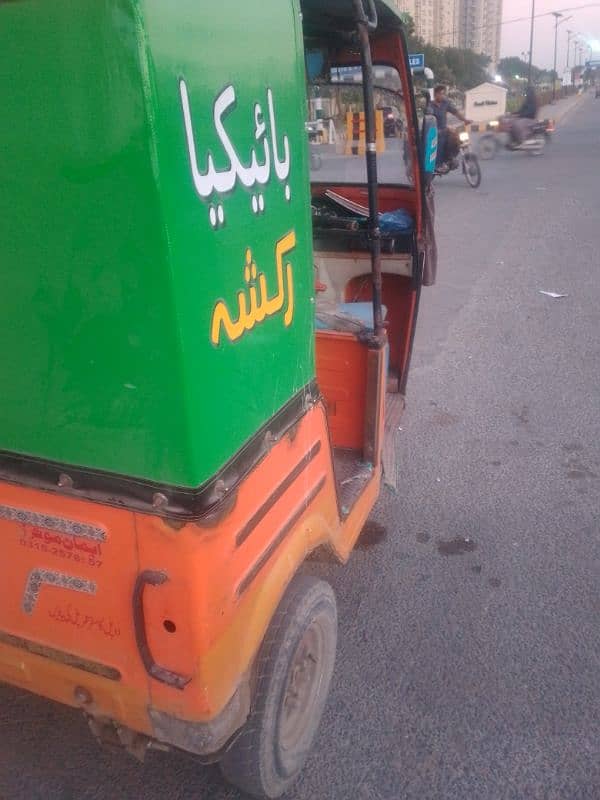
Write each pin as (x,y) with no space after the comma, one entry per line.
(448,146)
(522,123)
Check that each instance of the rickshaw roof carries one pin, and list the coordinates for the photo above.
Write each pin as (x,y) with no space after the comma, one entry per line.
(134,349)
(339,15)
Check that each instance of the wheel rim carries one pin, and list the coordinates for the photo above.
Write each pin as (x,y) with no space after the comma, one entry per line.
(302,689)
(472,172)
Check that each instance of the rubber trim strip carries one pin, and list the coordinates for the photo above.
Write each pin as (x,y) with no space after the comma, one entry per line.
(135,494)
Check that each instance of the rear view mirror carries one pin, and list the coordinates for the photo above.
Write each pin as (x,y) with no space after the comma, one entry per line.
(430,144)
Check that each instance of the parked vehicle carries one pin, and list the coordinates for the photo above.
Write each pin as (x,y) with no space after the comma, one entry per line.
(465,160)
(175,439)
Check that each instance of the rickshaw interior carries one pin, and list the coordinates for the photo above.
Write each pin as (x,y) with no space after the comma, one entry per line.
(346,370)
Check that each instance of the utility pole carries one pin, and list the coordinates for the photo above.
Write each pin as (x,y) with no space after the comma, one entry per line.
(575,57)
(569,35)
(557,15)
(530,81)
(560,20)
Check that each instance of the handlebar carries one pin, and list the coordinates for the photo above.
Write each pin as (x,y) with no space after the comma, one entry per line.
(370,17)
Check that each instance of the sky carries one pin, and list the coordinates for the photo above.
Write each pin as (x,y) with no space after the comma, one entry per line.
(515,36)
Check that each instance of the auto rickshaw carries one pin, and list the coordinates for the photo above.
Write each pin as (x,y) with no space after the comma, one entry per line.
(202,354)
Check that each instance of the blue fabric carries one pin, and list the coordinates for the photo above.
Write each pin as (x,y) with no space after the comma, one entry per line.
(399,221)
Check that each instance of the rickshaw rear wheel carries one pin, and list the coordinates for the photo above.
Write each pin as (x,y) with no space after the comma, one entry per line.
(293,673)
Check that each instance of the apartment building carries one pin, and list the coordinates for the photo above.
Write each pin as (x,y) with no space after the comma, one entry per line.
(436,21)
(472,24)
(480,27)
(492,32)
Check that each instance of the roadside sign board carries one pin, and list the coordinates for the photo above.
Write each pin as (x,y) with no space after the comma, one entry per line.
(417,61)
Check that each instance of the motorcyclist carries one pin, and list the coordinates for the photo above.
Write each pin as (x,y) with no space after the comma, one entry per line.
(440,107)
(523,121)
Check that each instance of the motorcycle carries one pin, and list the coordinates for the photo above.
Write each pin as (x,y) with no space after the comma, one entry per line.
(465,160)
(539,136)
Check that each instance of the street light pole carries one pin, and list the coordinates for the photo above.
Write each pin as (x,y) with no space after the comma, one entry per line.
(531,42)
(560,20)
(557,15)
(569,34)
(575,56)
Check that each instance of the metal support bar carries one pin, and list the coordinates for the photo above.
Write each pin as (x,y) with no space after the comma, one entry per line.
(365,23)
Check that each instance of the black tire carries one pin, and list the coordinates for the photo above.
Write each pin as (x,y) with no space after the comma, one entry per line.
(269,754)
(487,147)
(472,170)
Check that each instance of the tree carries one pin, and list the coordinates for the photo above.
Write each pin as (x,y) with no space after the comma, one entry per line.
(458,68)
(513,67)
(469,68)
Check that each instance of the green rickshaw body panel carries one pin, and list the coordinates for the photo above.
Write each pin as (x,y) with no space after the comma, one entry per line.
(155,237)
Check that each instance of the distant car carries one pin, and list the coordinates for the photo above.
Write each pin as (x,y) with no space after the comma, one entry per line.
(392,124)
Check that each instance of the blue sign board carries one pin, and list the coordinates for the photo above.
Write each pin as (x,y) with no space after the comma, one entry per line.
(417,61)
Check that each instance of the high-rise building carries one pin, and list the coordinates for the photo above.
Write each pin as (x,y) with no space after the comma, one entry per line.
(472,24)
(480,27)
(492,40)
(436,21)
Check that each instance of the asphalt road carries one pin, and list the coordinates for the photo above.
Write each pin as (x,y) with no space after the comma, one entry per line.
(469,659)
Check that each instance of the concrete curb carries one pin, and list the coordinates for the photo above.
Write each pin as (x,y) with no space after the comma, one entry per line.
(561,113)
